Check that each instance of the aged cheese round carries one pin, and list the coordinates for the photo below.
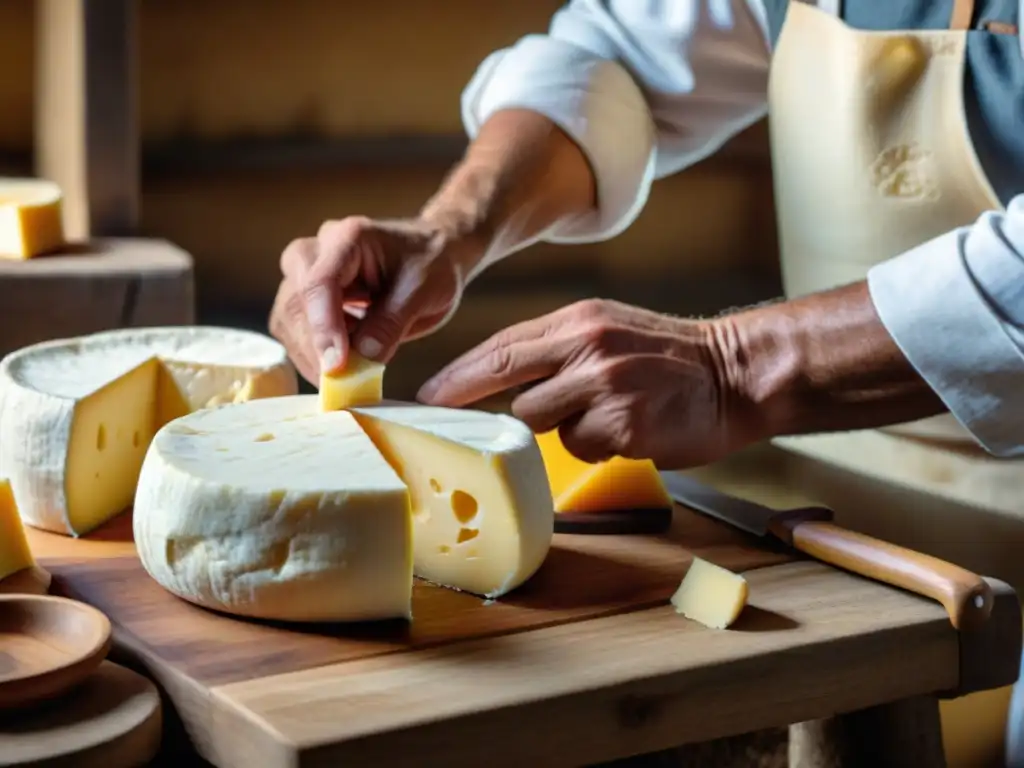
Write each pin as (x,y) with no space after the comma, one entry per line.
(77,415)
(275,509)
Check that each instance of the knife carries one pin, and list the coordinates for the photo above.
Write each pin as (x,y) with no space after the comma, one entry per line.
(966,596)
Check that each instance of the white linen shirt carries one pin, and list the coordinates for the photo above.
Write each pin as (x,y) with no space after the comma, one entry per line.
(649,87)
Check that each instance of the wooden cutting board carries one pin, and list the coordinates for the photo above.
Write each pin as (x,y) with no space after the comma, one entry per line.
(584,577)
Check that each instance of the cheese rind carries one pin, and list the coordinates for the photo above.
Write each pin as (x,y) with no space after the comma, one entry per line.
(278,510)
(360,383)
(616,484)
(15,554)
(482,513)
(711,595)
(275,510)
(31,218)
(77,415)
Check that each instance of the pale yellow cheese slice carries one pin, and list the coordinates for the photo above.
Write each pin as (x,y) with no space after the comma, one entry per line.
(360,383)
(711,595)
(31,222)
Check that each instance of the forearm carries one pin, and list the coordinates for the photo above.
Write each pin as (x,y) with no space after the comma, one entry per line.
(819,363)
(520,176)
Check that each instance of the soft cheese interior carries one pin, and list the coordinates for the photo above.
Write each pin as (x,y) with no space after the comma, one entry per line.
(275,509)
(77,415)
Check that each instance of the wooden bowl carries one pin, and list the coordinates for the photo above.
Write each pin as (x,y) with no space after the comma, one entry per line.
(47,645)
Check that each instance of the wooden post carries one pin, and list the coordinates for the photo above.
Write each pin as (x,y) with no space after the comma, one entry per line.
(86,135)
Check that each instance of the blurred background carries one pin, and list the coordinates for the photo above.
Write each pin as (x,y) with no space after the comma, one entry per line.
(260,119)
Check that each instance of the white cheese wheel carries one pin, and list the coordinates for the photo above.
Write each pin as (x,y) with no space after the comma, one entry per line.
(77,415)
(275,509)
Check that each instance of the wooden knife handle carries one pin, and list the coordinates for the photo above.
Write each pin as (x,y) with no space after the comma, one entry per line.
(966,597)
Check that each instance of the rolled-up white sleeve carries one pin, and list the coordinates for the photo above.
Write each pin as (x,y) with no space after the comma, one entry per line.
(644,89)
(955,307)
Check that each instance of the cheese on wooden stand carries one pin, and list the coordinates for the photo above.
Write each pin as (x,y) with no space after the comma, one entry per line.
(77,415)
(275,509)
(618,483)
(31,221)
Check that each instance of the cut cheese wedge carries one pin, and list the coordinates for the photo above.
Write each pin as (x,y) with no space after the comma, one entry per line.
(15,554)
(615,484)
(274,509)
(31,222)
(360,383)
(77,415)
(482,512)
(711,595)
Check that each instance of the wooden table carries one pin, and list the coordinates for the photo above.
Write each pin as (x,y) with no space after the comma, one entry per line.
(563,677)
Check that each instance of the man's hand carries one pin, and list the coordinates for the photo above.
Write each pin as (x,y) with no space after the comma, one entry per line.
(615,380)
(622,381)
(403,275)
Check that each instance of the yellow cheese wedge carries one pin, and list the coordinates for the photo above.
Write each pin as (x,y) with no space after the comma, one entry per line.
(31,222)
(360,383)
(15,555)
(711,595)
(617,483)
(78,415)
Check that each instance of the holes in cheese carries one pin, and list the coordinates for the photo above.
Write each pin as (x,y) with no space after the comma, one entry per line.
(31,218)
(360,383)
(615,484)
(77,415)
(711,595)
(331,519)
(499,497)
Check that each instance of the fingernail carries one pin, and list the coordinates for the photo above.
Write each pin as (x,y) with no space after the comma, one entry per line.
(330,358)
(428,390)
(370,348)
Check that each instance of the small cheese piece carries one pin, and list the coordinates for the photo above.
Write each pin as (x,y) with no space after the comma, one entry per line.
(77,415)
(31,218)
(274,510)
(616,484)
(277,510)
(711,595)
(15,554)
(483,519)
(360,383)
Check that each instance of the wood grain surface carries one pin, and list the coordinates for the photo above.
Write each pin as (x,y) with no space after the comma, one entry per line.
(588,658)
(583,577)
(96,286)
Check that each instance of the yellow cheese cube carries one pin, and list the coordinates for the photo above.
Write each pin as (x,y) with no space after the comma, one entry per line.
(360,383)
(31,222)
(711,595)
(15,555)
(615,484)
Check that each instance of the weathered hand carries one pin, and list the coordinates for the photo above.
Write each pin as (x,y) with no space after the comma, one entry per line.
(402,274)
(614,379)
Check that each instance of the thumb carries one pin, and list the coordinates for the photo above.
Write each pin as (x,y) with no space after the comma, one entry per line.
(412,295)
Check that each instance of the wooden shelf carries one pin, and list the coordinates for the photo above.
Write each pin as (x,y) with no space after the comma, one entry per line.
(190,157)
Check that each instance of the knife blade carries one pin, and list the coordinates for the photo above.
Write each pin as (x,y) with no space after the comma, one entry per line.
(966,597)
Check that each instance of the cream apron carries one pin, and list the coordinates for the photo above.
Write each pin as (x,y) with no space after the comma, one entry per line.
(855,149)
(859,121)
